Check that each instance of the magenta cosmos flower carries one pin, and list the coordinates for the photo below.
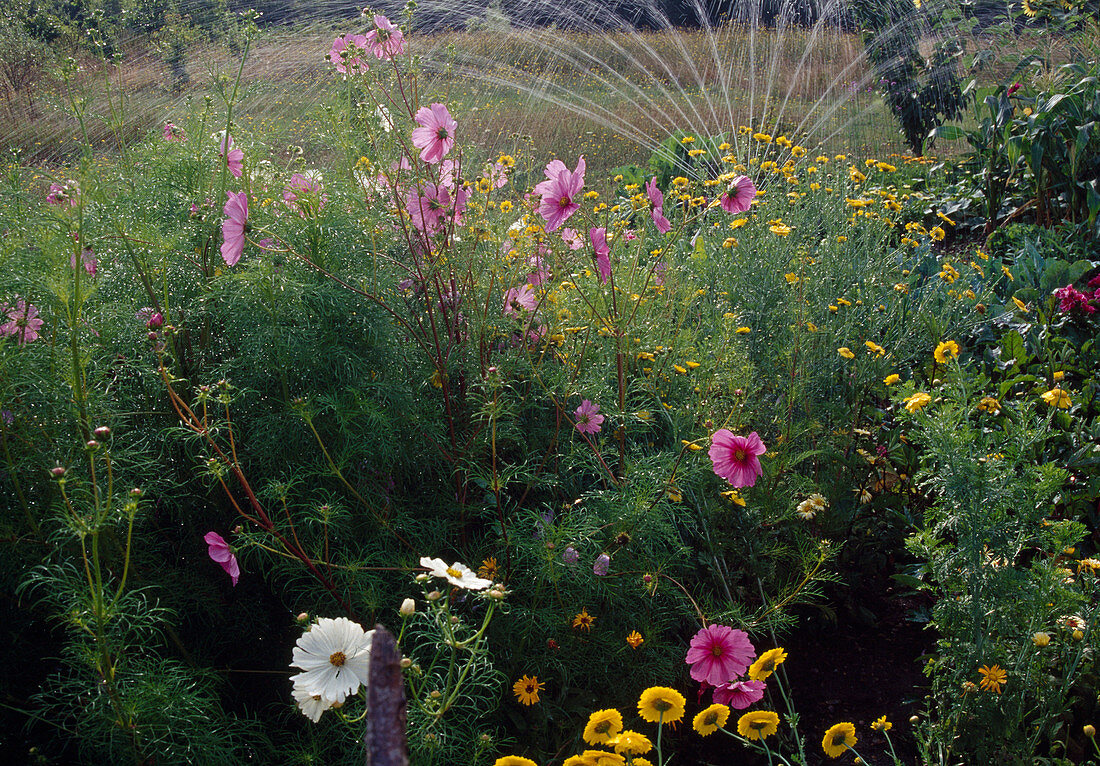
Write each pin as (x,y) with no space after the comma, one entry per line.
(221,553)
(559,191)
(739,196)
(735,457)
(436,135)
(588,417)
(303,193)
(234,158)
(718,654)
(23,323)
(385,40)
(519,300)
(173,132)
(344,53)
(740,694)
(61,194)
(603,253)
(428,210)
(234,227)
(657,199)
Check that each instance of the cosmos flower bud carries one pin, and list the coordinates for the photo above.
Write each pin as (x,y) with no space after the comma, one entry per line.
(303,618)
(102,432)
(570,555)
(92,444)
(601,565)
(1090,730)
(58,471)
(136,493)
(406,663)
(434,596)
(156,321)
(408,608)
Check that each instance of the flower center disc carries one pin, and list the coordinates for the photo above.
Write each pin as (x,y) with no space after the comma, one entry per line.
(454,572)
(337,659)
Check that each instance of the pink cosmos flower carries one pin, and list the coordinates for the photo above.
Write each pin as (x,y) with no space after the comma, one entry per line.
(23,323)
(1013,88)
(427,210)
(221,553)
(718,654)
(234,159)
(588,417)
(303,193)
(572,239)
(739,196)
(436,135)
(1070,298)
(173,132)
(60,194)
(497,175)
(657,199)
(385,40)
(601,565)
(735,457)
(344,53)
(603,253)
(520,299)
(234,227)
(558,192)
(87,257)
(740,694)
(541,271)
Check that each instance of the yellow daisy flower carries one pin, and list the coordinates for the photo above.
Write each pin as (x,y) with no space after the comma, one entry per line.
(993,678)
(946,350)
(583,620)
(711,719)
(838,739)
(758,724)
(660,704)
(1057,397)
(632,743)
(917,401)
(766,664)
(527,689)
(602,727)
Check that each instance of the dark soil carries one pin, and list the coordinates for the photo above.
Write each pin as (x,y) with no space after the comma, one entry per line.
(845,671)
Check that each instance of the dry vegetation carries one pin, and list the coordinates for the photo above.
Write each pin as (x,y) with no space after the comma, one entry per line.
(568,92)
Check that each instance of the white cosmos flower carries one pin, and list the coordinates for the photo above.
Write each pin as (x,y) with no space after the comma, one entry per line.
(311,705)
(458,575)
(335,655)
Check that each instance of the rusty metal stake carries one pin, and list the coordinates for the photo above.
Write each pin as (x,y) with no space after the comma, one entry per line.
(385,729)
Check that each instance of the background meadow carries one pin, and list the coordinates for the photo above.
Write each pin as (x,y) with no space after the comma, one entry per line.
(249,386)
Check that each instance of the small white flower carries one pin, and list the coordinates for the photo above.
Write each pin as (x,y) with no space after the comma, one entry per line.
(335,655)
(311,705)
(811,506)
(458,575)
(385,119)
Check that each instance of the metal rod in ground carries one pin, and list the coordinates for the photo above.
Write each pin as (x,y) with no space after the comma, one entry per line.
(385,729)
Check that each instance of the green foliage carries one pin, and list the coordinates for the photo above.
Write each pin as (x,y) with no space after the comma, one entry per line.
(997,548)
(355,393)
(921,91)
